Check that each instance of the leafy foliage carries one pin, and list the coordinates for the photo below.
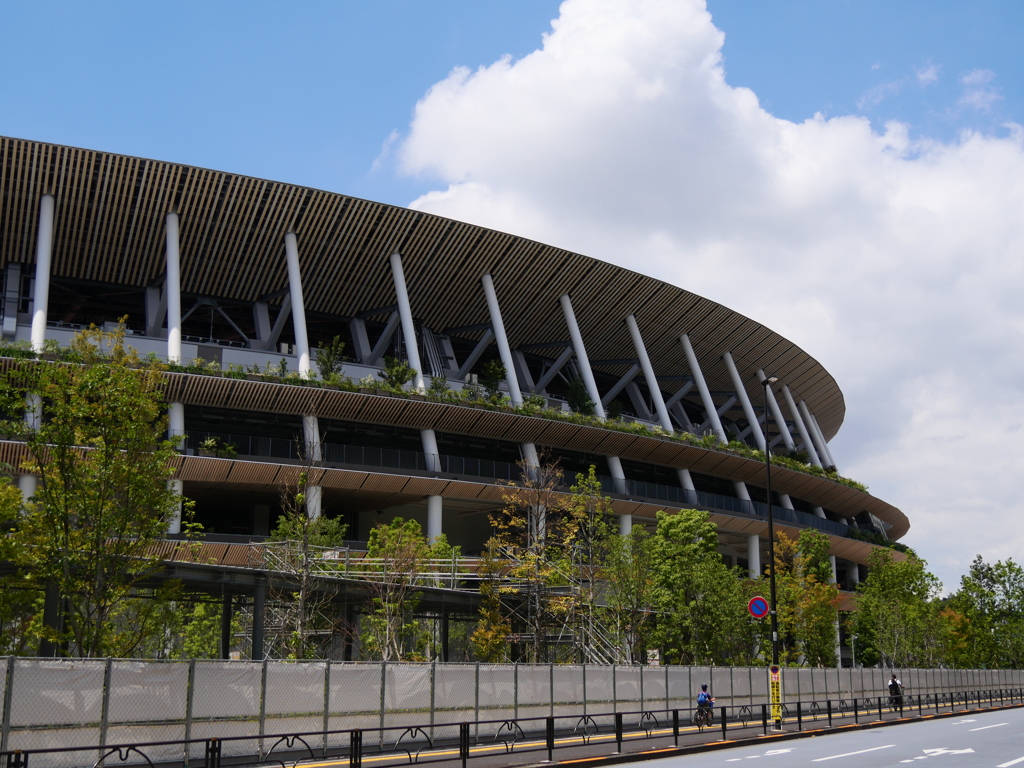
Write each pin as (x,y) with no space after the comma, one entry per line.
(95,440)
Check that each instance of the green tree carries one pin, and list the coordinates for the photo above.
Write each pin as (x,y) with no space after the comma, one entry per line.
(807,601)
(578,398)
(896,613)
(396,572)
(330,360)
(305,600)
(991,603)
(628,589)
(491,378)
(102,499)
(397,373)
(700,600)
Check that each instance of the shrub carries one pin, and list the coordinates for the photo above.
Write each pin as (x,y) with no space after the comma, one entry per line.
(396,374)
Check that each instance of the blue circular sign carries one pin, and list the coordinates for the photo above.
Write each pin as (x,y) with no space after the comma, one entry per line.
(758,607)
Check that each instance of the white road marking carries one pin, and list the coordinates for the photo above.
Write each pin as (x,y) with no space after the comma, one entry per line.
(777,751)
(1012,762)
(946,751)
(984,727)
(961,722)
(849,754)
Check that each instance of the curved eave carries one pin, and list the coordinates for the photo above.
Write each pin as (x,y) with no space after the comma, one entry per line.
(109,227)
(238,394)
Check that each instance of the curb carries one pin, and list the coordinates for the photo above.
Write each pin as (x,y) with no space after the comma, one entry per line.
(714,746)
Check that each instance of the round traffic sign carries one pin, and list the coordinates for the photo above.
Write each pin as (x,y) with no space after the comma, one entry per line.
(758,607)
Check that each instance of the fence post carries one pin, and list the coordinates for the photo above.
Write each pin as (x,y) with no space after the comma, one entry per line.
(675,726)
(476,701)
(641,668)
(668,702)
(799,717)
(433,694)
(327,702)
(856,716)
(550,734)
(615,688)
(724,716)
(383,679)
(584,687)
(764,718)
(263,706)
(5,728)
(618,732)
(828,706)
(464,743)
(105,706)
(355,748)
(551,686)
(515,691)
(190,688)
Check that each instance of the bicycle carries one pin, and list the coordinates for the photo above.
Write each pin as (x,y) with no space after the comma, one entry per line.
(702,718)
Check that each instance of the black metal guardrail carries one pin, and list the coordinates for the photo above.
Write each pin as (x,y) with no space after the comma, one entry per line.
(591,735)
(396,458)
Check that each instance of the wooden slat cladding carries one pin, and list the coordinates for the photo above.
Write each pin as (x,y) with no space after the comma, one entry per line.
(258,396)
(110,212)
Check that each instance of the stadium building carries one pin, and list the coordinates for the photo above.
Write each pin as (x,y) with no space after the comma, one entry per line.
(252,276)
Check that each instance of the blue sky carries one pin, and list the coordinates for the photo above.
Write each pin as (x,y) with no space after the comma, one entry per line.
(309,92)
(893,255)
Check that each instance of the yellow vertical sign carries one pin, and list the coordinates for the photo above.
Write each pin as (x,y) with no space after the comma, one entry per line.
(775,693)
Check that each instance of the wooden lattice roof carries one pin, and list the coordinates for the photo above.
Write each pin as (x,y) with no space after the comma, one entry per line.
(109,227)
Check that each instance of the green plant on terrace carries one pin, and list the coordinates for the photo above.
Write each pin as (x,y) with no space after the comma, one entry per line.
(396,374)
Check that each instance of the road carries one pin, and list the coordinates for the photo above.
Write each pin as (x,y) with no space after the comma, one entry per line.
(976,740)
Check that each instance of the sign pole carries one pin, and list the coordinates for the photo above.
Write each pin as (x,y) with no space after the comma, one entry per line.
(775,672)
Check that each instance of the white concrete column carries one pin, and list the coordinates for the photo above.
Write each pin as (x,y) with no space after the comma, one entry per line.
(702,387)
(581,355)
(686,481)
(652,381)
(748,408)
(44,253)
(529,454)
(823,446)
(172,290)
(311,437)
(785,501)
(625,525)
(501,339)
(780,420)
(820,513)
(430,452)
(515,394)
(291,252)
(314,501)
(741,491)
(435,506)
(174,524)
(176,419)
(806,415)
(754,556)
(618,475)
(854,571)
(408,327)
(832,564)
(614,465)
(805,434)
(172,287)
(27,486)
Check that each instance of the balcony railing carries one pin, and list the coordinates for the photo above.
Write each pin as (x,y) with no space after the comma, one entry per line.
(393,458)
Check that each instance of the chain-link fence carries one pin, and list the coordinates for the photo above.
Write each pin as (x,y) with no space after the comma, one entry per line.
(62,703)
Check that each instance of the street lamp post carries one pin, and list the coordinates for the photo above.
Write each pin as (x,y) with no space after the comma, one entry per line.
(768,381)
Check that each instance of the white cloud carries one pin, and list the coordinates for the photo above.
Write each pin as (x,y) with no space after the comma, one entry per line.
(927,75)
(896,263)
(876,94)
(977,92)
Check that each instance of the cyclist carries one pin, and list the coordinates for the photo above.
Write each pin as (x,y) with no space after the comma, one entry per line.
(705,704)
(895,692)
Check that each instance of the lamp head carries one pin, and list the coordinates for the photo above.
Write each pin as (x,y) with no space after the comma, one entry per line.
(772,380)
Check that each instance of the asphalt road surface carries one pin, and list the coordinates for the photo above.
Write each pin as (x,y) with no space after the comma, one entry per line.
(976,740)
